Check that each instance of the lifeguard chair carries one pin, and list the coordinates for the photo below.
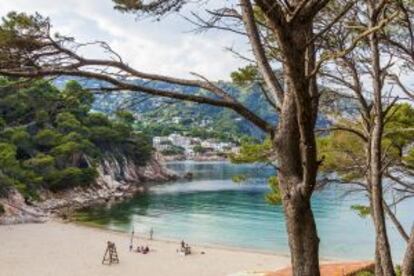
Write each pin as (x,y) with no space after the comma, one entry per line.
(111,256)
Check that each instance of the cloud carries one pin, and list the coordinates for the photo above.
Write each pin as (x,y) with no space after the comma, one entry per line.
(164,47)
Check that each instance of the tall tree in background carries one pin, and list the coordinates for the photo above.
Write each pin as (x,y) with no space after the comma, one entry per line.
(376,112)
(400,41)
(282,34)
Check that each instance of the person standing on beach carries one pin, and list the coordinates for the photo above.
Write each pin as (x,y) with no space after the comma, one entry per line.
(151,233)
(131,245)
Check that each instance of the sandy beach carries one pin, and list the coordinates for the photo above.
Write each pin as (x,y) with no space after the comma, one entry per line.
(56,248)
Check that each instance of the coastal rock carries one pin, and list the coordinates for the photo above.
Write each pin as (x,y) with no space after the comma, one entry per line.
(118,179)
(16,210)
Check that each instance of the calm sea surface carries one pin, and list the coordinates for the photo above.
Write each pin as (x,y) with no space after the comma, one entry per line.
(213,210)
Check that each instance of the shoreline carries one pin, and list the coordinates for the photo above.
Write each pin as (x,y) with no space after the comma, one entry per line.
(201,244)
(173,241)
(105,189)
(59,248)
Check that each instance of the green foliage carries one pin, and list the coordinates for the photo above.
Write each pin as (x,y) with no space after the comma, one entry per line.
(70,177)
(97,119)
(199,149)
(273,197)
(343,152)
(173,150)
(125,117)
(245,76)
(239,178)
(157,8)
(252,152)
(11,173)
(41,163)
(20,23)
(48,138)
(77,100)
(409,159)
(363,211)
(67,122)
(398,271)
(400,126)
(7,155)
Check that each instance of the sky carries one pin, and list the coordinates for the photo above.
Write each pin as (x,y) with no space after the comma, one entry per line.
(166,47)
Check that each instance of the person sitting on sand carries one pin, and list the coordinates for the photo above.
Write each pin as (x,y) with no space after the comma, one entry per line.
(187,249)
(138,249)
(146,250)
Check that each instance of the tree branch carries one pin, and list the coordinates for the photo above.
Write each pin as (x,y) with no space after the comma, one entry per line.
(124,85)
(265,69)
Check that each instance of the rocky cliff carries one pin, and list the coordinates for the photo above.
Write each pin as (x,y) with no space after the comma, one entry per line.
(118,179)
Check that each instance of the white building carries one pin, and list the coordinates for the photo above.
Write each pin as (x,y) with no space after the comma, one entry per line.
(179,140)
(188,143)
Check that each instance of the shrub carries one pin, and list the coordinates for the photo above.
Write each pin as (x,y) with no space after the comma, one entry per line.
(67,122)
(40,163)
(103,134)
(97,119)
(20,138)
(47,137)
(71,177)
(173,150)
(67,149)
(125,117)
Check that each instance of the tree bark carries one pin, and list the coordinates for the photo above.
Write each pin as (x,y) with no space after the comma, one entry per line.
(382,243)
(408,262)
(378,267)
(376,168)
(302,234)
(303,237)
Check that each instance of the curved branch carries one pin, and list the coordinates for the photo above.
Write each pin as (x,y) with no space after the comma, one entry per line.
(354,44)
(347,129)
(397,224)
(123,85)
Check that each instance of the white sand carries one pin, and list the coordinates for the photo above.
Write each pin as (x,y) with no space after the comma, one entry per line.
(59,249)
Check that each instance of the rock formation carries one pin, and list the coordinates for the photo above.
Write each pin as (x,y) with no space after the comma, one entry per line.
(118,179)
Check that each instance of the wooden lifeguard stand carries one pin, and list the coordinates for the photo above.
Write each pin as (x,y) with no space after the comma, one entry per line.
(111,256)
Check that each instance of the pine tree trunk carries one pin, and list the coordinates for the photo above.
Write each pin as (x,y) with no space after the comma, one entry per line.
(376,166)
(408,262)
(382,243)
(300,223)
(378,267)
(303,238)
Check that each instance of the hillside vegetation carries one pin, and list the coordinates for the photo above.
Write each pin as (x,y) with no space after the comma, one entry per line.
(49,139)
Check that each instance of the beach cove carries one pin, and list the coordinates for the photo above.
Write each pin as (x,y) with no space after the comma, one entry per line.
(56,248)
(213,210)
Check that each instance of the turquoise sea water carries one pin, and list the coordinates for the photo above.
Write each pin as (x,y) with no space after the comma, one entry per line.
(212,209)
